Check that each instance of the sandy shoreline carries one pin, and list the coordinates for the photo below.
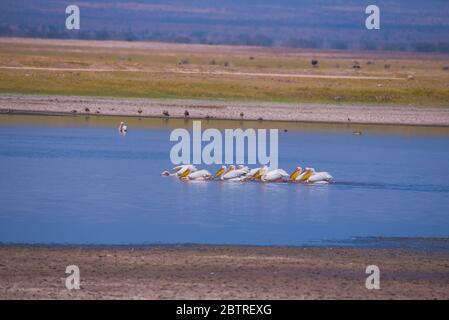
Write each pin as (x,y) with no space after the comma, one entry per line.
(204,109)
(221,272)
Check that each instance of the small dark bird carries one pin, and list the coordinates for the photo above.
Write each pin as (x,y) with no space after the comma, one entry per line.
(242,114)
(260,119)
(87,110)
(285,130)
(186,113)
(139,111)
(165,113)
(349,120)
(314,62)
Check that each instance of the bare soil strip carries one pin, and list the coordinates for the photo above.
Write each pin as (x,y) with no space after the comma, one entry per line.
(208,109)
(221,272)
(213,73)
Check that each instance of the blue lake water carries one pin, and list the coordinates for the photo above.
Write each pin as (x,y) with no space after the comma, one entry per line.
(82,183)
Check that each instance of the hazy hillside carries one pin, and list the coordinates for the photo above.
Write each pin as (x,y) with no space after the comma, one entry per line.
(405,24)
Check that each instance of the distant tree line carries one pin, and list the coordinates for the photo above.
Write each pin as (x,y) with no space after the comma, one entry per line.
(312,42)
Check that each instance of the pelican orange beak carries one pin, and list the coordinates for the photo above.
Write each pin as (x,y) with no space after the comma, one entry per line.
(185,174)
(261,172)
(258,174)
(307,174)
(219,173)
(295,174)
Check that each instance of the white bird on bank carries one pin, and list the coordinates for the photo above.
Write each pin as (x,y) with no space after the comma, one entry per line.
(122,128)
(275,175)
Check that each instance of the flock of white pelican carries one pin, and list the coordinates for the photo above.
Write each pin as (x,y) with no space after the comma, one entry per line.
(242,173)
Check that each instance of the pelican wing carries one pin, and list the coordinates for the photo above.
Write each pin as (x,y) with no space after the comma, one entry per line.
(230,175)
(252,172)
(283,173)
(199,174)
(274,175)
(234,174)
(183,168)
(306,174)
(320,176)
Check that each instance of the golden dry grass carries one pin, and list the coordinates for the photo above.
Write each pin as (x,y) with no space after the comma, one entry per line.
(126,69)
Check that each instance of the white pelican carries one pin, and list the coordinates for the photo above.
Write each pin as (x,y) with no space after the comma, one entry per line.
(220,172)
(234,173)
(274,175)
(257,173)
(231,173)
(179,170)
(182,168)
(301,176)
(295,174)
(252,172)
(320,177)
(240,174)
(310,176)
(200,175)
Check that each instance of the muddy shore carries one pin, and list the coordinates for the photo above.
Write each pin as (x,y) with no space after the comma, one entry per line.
(221,272)
(203,109)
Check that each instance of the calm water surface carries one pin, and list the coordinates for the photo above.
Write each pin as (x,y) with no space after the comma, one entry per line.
(66,180)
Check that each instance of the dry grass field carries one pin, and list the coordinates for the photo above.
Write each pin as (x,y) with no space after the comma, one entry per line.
(157,70)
